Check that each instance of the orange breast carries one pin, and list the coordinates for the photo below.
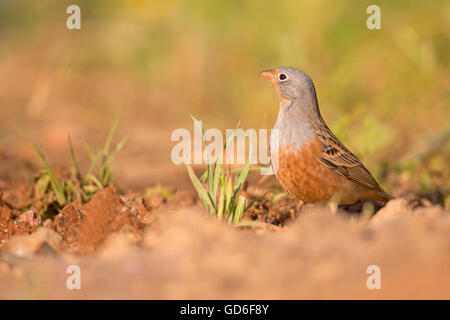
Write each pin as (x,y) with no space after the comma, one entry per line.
(304,177)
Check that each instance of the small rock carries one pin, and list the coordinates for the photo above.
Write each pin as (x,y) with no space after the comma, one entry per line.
(116,245)
(30,217)
(394,209)
(154,201)
(146,218)
(27,245)
(426,202)
(181,198)
(5,216)
(48,223)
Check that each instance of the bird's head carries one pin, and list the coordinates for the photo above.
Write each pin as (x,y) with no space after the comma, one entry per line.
(290,83)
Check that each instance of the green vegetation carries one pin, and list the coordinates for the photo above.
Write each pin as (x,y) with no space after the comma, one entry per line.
(56,188)
(220,194)
(158,189)
(381,91)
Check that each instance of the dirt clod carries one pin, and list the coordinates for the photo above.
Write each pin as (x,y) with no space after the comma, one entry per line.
(27,245)
(85,228)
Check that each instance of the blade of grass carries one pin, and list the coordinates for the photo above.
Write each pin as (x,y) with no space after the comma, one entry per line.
(92,165)
(210,182)
(250,205)
(220,208)
(243,175)
(41,185)
(239,170)
(228,195)
(94,179)
(74,190)
(111,158)
(245,169)
(111,133)
(204,176)
(56,186)
(119,147)
(201,190)
(109,138)
(89,150)
(218,173)
(74,160)
(239,209)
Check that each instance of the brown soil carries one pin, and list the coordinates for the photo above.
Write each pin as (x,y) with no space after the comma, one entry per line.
(85,228)
(130,246)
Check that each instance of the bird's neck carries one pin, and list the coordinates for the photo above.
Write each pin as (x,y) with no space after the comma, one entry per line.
(295,122)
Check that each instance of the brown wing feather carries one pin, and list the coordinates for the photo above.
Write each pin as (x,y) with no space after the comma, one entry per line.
(338,158)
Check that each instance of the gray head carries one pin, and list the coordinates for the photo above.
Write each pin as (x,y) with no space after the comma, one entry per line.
(294,88)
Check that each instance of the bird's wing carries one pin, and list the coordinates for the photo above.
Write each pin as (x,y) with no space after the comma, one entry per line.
(337,157)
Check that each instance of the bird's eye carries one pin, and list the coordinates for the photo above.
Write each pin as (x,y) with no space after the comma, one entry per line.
(282,77)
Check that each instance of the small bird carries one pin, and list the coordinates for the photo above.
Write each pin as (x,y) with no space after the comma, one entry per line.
(309,161)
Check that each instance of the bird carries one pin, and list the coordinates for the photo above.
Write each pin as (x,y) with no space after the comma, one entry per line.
(309,161)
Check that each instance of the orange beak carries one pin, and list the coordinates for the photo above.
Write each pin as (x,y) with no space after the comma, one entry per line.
(272,75)
(268,74)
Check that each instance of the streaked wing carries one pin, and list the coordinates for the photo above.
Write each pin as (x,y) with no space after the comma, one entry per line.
(338,158)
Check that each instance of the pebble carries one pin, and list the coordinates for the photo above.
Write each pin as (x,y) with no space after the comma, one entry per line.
(28,245)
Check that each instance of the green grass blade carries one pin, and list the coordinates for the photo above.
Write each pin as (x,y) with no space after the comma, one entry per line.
(201,190)
(92,165)
(239,170)
(196,120)
(73,190)
(231,136)
(242,201)
(42,184)
(230,217)
(245,169)
(94,179)
(110,160)
(192,117)
(228,195)
(111,134)
(220,207)
(89,150)
(103,163)
(211,182)
(74,160)
(106,179)
(119,147)
(243,175)
(56,186)
(204,176)
(218,173)
(250,205)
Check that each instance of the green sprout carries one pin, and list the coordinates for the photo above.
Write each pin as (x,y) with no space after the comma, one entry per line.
(219,189)
(53,191)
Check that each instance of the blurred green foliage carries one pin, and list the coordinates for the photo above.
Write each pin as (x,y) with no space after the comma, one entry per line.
(378,89)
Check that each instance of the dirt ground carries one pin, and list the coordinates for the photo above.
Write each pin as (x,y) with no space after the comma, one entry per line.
(129,246)
(133,245)
(384,93)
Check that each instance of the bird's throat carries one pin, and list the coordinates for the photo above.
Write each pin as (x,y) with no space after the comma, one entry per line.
(294,128)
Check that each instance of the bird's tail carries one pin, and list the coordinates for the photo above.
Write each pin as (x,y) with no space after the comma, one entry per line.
(378,195)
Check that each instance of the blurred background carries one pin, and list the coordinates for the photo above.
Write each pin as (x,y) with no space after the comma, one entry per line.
(385,93)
